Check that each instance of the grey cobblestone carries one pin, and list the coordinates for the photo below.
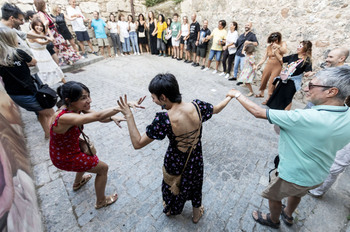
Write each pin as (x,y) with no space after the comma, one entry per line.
(238,152)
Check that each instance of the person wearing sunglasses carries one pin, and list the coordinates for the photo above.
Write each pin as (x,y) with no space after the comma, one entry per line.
(335,58)
(309,140)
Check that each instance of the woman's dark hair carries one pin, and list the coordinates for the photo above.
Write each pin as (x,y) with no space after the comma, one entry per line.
(143,17)
(132,18)
(35,22)
(275,36)
(223,23)
(29,14)
(109,18)
(307,48)
(70,92)
(162,18)
(249,48)
(8,10)
(120,16)
(169,19)
(236,25)
(165,84)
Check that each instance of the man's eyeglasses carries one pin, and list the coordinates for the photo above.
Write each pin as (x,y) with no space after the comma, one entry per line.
(311,86)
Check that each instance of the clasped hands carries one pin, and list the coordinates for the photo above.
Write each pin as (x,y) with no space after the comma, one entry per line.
(125,108)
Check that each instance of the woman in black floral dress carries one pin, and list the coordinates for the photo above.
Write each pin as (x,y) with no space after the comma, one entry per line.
(179,124)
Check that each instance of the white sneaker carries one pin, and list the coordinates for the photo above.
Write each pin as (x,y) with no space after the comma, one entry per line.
(215,71)
(122,54)
(135,53)
(222,74)
(116,55)
(227,76)
(206,69)
(138,53)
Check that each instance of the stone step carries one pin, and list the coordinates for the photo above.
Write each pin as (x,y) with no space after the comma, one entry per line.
(81,63)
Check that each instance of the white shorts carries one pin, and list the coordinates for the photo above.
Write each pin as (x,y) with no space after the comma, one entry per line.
(175,42)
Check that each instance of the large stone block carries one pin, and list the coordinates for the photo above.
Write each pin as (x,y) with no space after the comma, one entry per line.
(113,6)
(89,7)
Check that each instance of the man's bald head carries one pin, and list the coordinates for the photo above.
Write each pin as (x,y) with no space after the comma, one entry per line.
(337,57)
(193,17)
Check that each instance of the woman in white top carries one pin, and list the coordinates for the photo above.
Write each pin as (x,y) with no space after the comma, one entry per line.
(124,34)
(229,49)
(185,33)
(133,35)
(113,32)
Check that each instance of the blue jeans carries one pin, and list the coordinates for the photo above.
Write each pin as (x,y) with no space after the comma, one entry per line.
(239,60)
(126,45)
(135,44)
(215,53)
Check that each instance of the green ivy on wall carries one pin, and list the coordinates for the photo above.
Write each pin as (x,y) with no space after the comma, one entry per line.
(150,3)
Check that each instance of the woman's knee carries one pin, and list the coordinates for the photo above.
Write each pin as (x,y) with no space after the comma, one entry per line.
(103,169)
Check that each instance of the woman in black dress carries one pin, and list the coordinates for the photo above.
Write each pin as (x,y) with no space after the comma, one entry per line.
(182,124)
(141,32)
(62,27)
(152,22)
(299,65)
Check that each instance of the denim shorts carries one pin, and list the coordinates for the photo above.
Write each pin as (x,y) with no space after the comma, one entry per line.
(217,53)
(27,102)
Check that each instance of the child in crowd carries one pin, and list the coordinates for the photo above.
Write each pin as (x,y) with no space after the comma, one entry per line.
(168,36)
(248,73)
(49,72)
(176,34)
(99,28)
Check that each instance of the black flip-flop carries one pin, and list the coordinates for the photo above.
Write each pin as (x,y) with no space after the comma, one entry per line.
(285,218)
(267,221)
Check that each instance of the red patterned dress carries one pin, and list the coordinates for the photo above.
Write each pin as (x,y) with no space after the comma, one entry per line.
(65,52)
(65,152)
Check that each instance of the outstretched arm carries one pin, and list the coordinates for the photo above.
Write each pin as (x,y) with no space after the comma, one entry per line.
(217,109)
(253,108)
(137,140)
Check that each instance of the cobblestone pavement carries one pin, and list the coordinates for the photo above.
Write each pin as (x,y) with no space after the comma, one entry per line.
(238,153)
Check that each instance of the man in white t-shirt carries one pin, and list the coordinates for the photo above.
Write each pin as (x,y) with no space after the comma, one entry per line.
(79,28)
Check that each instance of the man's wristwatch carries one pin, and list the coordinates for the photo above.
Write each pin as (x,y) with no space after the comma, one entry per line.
(238,94)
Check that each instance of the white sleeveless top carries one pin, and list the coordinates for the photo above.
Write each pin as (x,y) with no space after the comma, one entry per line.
(132,27)
(184,30)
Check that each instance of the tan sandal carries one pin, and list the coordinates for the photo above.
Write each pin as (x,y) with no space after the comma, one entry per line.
(84,180)
(108,201)
(196,218)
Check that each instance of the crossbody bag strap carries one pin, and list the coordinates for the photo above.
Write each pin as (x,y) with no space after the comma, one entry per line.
(86,141)
(20,81)
(197,135)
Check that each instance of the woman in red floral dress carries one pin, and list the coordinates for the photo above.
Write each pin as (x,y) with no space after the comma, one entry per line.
(65,52)
(65,152)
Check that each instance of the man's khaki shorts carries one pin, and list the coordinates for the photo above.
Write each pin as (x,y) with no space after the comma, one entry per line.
(102,42)
(279,189)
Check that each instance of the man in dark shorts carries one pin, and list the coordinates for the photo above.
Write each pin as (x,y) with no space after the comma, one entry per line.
(74,12)
(202,44)
(193,39)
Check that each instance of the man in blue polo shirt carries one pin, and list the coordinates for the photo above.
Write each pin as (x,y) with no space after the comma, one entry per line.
(99,28)
(309,140)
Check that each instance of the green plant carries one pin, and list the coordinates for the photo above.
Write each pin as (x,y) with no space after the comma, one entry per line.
(150,3)
(348,217)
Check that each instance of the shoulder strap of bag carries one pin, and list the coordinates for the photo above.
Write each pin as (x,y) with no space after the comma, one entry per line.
(85,137)
(197,135)
(20,81)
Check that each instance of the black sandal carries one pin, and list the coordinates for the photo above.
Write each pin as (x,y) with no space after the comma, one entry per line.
(267,221)
(285,218)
